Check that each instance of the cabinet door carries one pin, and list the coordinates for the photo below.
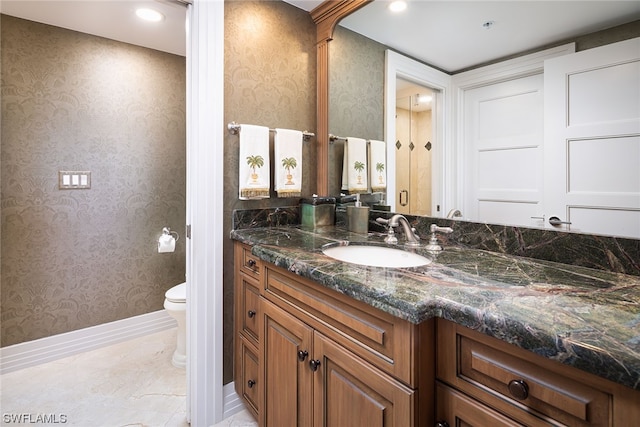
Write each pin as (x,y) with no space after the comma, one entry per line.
(347,391)
(456,409)
(288,377)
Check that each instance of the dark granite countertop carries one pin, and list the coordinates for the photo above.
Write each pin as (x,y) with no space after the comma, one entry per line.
(582,317)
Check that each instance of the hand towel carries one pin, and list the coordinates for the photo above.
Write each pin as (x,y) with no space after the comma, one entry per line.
(354,166)
(254,173)
(287,148)
(378,165)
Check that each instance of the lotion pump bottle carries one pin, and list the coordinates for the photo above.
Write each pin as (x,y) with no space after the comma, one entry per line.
(358,217)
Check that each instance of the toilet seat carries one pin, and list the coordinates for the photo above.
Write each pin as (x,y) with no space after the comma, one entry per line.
(177,294)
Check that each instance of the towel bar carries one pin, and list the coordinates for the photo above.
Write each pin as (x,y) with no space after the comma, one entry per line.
(234,128)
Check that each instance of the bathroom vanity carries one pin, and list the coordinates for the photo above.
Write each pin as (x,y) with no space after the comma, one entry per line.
(473,338)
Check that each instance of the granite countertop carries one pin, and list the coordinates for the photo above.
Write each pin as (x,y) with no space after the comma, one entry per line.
(586,318)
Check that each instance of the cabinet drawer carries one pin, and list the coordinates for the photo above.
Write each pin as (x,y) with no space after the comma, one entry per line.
(249,310)
(249,376)
(248,263)
(508,377)
(379,338)
(456,409)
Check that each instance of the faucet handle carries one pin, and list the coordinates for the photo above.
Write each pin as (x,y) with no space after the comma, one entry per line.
(434,228)
(382,221)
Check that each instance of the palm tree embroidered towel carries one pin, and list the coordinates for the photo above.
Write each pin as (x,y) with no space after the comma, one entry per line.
(287,149)
(377,165)
(354,165)
(254,173)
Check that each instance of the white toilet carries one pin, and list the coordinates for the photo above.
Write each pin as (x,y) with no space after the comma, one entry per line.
(176,305)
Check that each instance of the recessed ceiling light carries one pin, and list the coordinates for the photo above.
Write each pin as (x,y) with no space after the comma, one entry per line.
(149,15)
(397,6)
(488,24)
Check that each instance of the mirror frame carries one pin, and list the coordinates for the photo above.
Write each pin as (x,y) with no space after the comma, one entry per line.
(326,16)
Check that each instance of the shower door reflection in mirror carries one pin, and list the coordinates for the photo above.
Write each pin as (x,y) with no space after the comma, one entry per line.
(414,146)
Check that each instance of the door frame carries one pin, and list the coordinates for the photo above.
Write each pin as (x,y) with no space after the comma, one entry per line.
(205,179)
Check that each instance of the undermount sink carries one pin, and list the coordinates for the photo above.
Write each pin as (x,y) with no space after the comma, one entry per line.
(375,256)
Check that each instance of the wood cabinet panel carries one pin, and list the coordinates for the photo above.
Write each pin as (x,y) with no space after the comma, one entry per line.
(350,392)
(527,387)
(456,409)
(381,339)
(287,376)
(246,262)
(248,380)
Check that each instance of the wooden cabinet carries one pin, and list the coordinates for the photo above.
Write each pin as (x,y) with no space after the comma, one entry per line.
(306,355)
(325,359)
(526,388)
(248,325)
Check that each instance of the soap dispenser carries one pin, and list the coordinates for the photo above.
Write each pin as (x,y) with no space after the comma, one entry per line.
(358,217)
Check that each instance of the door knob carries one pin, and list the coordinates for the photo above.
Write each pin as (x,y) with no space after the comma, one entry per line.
(251,313)
(251,383)
(302,354)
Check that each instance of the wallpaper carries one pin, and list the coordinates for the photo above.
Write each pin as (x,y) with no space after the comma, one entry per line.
(270,80)
(70,101)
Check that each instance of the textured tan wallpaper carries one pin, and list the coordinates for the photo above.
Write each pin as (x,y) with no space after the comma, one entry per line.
(71,101)
(270,80)
(356,94)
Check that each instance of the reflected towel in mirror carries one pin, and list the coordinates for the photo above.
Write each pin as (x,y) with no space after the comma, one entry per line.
(354,167)
(377,165)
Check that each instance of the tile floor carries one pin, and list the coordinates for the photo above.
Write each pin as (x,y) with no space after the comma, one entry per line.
(127,384)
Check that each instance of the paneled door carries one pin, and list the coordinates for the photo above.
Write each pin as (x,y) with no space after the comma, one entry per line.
(592,140)
(503,143)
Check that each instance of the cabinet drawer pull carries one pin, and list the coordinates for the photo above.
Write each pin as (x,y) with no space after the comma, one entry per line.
(251,313)
(251,383)
(519,389)
(251,263)
(442,424)
(314,364)
(302,354)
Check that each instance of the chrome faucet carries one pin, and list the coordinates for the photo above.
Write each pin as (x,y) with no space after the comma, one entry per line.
(396,221)
(453,213)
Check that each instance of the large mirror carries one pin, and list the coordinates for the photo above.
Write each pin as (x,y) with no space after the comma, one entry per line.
(357,100)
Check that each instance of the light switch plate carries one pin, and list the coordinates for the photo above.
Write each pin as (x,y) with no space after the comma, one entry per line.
(74,180)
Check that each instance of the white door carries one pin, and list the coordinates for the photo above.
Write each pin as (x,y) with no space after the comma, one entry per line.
(503,140)
(592,140)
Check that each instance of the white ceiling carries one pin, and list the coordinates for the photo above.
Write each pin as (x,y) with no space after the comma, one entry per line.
(445,34)
(113,19)
(450,34)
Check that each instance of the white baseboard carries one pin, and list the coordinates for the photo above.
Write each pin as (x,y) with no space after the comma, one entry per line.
(232,402)
(56,347)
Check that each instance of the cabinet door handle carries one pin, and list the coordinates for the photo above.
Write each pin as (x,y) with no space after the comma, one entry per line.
(314,364)
(251,313)
(251,383)
(519,389)
(406,198)
(251,263)
(442,424)
(302,354)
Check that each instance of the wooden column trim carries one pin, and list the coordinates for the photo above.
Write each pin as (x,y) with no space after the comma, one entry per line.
(326,17)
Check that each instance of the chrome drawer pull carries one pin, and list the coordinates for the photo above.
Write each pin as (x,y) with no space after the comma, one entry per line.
(519,389)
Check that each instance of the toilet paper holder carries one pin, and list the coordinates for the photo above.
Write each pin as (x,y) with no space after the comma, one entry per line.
(167,241)
(167,231)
